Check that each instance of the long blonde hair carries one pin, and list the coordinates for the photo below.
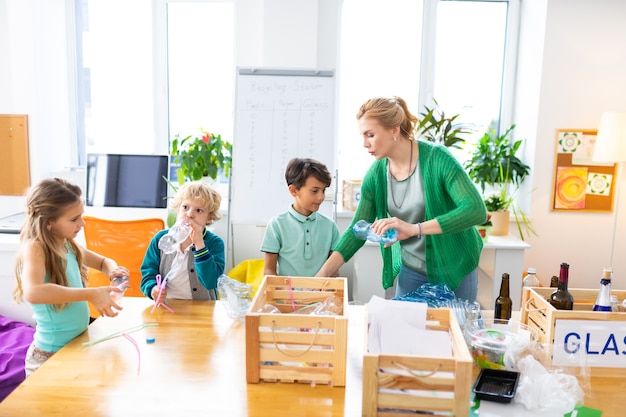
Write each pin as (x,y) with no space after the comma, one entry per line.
(45,202)
(390,112)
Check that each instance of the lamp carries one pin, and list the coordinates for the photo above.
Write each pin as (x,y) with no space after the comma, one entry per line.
(610,146)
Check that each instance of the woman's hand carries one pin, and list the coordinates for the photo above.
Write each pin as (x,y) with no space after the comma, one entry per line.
(403,229)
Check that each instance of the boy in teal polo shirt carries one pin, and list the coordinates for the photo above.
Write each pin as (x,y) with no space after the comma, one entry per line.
(298,241)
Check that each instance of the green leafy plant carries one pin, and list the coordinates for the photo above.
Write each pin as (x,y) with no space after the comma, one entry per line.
(495,166)
(494,161)
(435,127)
(201,156)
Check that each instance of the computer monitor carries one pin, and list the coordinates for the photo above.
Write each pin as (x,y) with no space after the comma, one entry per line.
(117,180)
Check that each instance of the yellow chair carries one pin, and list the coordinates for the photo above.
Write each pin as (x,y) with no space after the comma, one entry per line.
(249,272)
(124,241)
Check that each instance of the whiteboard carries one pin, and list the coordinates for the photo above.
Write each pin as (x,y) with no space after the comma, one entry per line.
(279,115)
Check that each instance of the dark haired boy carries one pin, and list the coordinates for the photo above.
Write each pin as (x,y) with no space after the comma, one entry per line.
(298,241)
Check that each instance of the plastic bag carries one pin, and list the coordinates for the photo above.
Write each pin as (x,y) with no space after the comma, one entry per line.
(547,393)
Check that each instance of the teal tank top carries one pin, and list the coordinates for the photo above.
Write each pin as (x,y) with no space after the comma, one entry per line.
(55,329)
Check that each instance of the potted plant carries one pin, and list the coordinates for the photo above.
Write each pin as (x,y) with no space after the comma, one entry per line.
(435,127)
(200,156)
(495,167)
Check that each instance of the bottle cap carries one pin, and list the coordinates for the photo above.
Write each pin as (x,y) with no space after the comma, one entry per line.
(150,339)
(532,271)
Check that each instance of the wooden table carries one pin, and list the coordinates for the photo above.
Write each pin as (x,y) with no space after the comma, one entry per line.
(196,367)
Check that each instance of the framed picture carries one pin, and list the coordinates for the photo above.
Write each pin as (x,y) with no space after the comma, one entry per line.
(580,184)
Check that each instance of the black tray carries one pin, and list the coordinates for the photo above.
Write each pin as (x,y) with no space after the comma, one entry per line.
(496,385)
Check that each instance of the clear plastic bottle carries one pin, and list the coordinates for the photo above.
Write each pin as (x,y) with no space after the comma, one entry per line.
(531,280)
(363,230)
(177,234)
(603,300)
(123,283)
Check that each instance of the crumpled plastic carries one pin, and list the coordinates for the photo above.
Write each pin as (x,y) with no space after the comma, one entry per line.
(236,295)
(546,393)
(435,295)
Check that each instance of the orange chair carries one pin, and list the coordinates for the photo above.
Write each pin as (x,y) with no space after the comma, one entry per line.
(124,241)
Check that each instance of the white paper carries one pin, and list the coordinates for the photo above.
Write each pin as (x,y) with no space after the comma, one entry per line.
(399,328)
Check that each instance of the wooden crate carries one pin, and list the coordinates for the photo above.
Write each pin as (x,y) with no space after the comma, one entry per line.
(351,194)
(395,385)
(539,314)
(292,347)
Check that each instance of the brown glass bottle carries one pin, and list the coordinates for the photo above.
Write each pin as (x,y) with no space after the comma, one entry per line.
(504,304)
(562,299)
(554,281)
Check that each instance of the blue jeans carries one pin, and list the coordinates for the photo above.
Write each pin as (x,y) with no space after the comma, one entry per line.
(409,280)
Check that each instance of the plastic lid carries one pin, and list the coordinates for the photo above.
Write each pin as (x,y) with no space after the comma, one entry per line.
(532,271)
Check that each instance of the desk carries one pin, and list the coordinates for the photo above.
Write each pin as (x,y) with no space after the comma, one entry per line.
(196,367)
(501,254)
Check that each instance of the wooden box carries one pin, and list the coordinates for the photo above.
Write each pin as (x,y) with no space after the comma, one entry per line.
(296,347)
(351,194)
(396,385)
(539,314)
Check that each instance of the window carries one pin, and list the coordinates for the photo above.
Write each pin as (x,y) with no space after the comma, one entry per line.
(150,69)
(452,51)
(116,79)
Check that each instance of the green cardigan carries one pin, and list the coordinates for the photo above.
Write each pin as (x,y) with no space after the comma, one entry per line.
(450,197)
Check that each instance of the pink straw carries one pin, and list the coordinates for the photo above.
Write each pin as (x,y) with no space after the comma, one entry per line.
(134,342)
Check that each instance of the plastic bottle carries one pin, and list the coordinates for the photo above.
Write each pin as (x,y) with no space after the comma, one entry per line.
(562,299)
(603,300)
(504,304)
(531,280)
(363,230)
(123,283)
(177,234)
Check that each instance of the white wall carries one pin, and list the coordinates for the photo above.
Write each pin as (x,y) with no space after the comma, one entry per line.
(581,76)
(568,75)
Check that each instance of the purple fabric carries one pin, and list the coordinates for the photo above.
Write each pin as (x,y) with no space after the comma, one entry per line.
(15,338)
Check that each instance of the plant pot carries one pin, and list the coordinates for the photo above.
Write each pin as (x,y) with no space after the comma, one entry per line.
(500,221)
(484,232)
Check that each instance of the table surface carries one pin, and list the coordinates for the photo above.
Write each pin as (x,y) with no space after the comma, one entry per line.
(195,367)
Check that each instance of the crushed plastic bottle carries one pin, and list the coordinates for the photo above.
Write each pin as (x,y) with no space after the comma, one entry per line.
(363,230)
(123,283)
(170,242)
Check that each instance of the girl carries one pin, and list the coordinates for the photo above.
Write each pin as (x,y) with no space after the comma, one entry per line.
(193,269)
(51,270)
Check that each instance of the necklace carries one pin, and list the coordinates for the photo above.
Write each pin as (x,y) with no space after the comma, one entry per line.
(406,187)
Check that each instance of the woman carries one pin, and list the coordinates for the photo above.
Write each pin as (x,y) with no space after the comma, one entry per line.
(421,190)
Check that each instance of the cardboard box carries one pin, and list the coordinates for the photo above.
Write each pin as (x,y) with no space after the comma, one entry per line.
(295,347)
(351,194)
(598,336)
(412,384)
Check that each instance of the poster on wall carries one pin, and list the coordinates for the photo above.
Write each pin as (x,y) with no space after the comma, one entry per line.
(580,184)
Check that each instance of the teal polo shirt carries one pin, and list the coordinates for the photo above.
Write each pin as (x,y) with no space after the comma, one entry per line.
(302,243)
